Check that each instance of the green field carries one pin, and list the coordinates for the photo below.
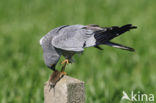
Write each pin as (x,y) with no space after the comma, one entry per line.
(106,73)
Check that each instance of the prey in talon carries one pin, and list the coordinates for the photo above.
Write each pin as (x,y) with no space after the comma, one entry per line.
(57,75)
(69,40)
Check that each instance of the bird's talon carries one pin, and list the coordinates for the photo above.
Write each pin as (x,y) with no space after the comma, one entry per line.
(64,73)
(65,61)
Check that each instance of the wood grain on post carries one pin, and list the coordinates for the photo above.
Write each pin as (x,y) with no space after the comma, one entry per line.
(67,90)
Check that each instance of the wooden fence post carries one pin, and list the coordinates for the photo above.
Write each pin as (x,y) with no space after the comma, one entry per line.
(67,90)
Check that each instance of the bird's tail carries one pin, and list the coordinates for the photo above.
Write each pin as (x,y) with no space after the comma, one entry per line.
(104,36)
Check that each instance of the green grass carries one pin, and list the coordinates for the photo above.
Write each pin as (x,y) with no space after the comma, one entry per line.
(106,73)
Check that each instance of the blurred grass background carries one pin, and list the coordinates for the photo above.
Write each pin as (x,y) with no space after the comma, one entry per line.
(106,73)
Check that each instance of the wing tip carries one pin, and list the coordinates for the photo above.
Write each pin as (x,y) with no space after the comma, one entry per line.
(131,49)
(130,26)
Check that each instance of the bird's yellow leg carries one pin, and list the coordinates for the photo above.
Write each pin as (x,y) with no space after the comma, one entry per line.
(65,61)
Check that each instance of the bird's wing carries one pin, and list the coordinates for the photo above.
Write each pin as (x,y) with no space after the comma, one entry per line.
(72,38)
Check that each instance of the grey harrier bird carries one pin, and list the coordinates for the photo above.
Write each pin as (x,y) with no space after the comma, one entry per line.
(68,40)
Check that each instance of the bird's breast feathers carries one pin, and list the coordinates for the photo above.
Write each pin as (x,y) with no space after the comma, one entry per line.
(41,40)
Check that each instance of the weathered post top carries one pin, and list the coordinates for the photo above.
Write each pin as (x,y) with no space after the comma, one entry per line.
(67,90)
